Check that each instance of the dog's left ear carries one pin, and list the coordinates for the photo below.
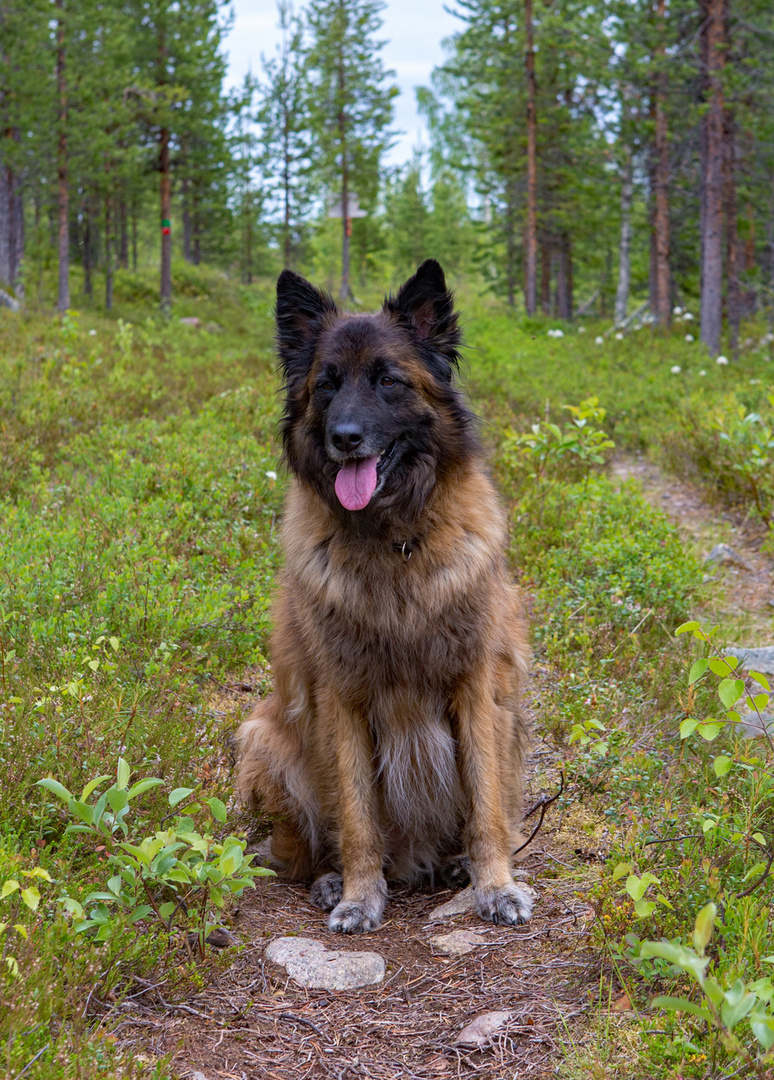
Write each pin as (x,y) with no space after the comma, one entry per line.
(426,305)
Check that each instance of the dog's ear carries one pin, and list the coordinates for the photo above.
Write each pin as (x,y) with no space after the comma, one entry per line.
(426,305)
(300,311)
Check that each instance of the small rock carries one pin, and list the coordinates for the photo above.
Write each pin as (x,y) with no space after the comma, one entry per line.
(723,553)
(753,726)
(458,905)
(220,938)
(311,964)
(479,1032)
(191,320)
(754,659)
(458,942)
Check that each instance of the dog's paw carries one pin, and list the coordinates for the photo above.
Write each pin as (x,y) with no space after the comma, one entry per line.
(326,891)
(507,906)
(359,916)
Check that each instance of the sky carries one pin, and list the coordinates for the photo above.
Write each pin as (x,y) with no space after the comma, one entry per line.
(413,31)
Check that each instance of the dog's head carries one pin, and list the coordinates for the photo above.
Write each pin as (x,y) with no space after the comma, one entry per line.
(372,418)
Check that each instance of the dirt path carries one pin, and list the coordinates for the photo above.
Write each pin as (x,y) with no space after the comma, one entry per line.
(740,593)
(253,1021)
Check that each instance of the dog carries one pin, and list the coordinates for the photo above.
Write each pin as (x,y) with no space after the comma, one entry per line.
(393,743)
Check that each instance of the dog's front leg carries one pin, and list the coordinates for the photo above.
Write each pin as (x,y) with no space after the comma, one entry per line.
(487,833)
(364,888)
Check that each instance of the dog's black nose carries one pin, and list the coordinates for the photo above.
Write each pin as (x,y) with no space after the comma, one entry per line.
(346,437)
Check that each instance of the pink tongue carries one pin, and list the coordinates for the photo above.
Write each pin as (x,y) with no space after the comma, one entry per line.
(356,483)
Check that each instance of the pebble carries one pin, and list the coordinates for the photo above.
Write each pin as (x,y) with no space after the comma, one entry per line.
(724,553)
(310,963)
(479,1032)
(458,942)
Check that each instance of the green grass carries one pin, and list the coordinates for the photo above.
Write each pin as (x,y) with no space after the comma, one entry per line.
(138,502)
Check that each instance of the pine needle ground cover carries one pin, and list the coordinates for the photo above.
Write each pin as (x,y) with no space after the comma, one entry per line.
(140,493)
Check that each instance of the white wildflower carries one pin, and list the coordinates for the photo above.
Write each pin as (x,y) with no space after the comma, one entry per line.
(689,337)
(619,336)
(722,360)
(675,369)
(687,316)
(677,311)
(581,329)
(599,340)
(92,333)
(271,475)
(556,333)
(702,372)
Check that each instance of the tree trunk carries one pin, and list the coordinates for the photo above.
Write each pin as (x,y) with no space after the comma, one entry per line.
(545,277)
(530,238)
(661,221)
(345,292)
(123,216)
(63,298)
(733,253)
(624,244)
(88,286)
(248,278)
(108,255)
(510,240)
(165,192)
(712,168)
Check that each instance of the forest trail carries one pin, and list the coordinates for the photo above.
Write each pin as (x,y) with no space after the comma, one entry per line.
(254,1021)
(741,596)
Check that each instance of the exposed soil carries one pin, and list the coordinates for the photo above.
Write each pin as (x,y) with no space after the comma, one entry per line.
(253,1021)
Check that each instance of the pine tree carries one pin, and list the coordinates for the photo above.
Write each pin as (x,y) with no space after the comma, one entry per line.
(350,105)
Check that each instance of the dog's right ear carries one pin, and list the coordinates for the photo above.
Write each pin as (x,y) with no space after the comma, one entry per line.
(301,309)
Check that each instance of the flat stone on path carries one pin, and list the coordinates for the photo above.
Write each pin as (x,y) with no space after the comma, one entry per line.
(724,553)
(312,964)
(464,901)
(458,942)
(479,1032)
(754,659)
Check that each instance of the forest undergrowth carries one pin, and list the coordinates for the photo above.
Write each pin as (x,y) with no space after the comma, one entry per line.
(139,496)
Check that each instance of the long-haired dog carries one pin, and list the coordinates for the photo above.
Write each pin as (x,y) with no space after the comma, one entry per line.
(393,741)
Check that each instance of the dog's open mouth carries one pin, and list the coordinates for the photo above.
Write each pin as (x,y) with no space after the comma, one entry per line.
(358,479)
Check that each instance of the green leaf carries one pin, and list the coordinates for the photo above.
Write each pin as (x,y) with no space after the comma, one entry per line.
(714,991)
(721,765)
(143,785)
(644,908)
(117,798)
(140,913)
(231,859)
(8,887)
(759,678)
(94,665)
(688,727)
(123,772)
(676,1004)
(702,930)
(168,909)
(31,897)
(218,811)
(687,627)
(709,730)
(55,788)
(81,810)
(698,667)
(114,643)
(179,794)
(139,853)
(762,1027)
(739,1002)
(719,667)
(621,869)
(92,784)
(730,690)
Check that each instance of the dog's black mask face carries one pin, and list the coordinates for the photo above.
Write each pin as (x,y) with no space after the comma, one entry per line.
(371,415)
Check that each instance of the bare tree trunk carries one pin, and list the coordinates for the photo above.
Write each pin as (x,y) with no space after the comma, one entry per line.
(123,251)
(108,254)
(88,286)
(545,277)
(510,239)
(733,253)
(663,299)
(712,167)
(624,244)
(165,190)
(63,298)
(530,238)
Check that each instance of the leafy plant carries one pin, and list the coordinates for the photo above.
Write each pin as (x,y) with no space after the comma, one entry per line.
(176,874)
(548,451)
(17,892)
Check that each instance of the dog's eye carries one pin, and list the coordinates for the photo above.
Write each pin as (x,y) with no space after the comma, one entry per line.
(327,386)
(386,381)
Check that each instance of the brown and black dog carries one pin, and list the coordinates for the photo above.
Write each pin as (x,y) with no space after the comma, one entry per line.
(393,742)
